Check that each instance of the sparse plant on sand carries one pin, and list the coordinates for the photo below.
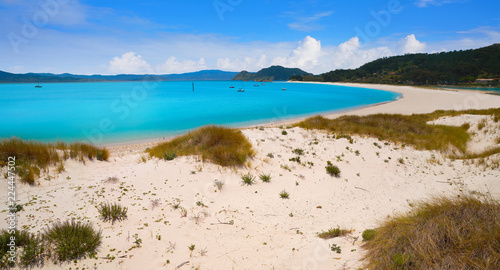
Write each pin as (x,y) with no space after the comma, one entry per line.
(284,194)
(248,179)
(266,178)
(332,170)
(219,184)
(333,232)
(112,212)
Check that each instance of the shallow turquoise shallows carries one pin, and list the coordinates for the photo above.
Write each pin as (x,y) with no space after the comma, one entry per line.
(128,111)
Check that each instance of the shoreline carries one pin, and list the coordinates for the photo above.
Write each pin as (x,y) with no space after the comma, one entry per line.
(412,100)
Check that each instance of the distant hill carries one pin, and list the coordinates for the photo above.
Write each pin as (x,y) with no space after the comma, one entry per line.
(456,67)
(274,73)
(204,75)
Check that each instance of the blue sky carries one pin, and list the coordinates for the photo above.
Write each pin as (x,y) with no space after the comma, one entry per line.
(162,37)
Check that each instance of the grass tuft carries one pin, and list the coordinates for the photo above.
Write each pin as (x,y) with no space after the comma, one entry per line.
(266,178)
(333,232)
(112,212)
(220,145)
(71,240)
(248,179)
(462,232)
(284,194)
(332,170)
(369,234)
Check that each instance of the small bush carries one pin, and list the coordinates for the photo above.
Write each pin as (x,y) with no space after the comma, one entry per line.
(368,234)
(102,154)
(248,179)
(333,170)
(284,132)
(112,212)
(333,232)
(284,194)
(72,240)
(266,178)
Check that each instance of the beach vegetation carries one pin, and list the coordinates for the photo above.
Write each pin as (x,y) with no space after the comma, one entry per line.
(30,249)
(284,132)
(407,129)
(219,184)
(333,232)
(298,151)
(335,248)
(332,170)
(112,212)
(72,240)
(284,194)
(248,179)
(460,232)
(266,178)
(368,234)
(219,145)
(33,157)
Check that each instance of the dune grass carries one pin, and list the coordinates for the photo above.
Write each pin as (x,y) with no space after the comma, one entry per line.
(333,232)
(442,233)
(408,129)
(72,240)
(32,157)
(112,212)
(219,145)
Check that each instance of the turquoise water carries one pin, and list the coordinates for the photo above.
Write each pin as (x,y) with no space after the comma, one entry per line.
(473,88)
(126,111)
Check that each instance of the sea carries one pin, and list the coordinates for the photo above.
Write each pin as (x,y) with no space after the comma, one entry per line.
(119,112)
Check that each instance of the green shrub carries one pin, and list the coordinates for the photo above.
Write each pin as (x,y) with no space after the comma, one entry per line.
(332,170)
(112,212)
(71,240)
(169,156)
(284,132)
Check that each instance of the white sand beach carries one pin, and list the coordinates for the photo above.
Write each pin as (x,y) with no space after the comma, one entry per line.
(251,227)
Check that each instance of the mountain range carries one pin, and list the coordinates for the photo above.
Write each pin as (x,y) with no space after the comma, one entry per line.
(204,75)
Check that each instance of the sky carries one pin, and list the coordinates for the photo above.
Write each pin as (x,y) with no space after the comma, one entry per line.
(165,36)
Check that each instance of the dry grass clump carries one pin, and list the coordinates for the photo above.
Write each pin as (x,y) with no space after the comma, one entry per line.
(443,233)
(407,129)
(220,145)
(33,156)
(333,232)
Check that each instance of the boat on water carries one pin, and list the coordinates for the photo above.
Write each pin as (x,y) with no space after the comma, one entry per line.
(38,86)
(241,90)
(256,85)
(283,89)
(232,86)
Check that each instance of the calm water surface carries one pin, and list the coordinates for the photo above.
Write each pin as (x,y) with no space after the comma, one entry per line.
(126,111)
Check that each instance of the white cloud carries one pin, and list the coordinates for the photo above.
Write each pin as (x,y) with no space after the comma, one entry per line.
(129,63)
(172,65)
(309,23)
(305,56)
(410,44)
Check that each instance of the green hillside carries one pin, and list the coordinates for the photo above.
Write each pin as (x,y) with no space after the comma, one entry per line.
(456,67)
(273,73)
